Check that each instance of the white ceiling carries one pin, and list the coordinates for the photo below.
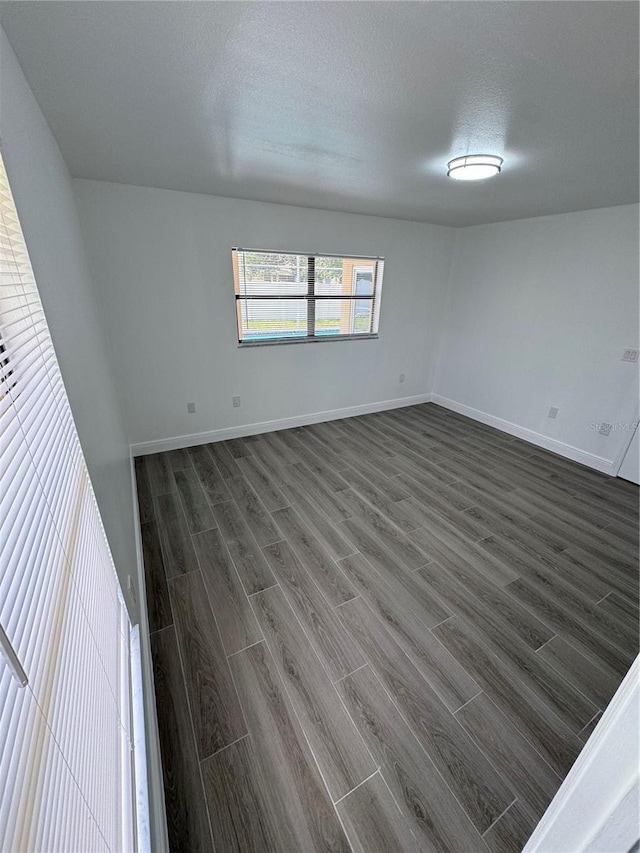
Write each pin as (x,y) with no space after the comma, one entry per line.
(352,106)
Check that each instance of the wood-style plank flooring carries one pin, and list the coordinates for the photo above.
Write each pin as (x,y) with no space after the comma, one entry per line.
(392,632)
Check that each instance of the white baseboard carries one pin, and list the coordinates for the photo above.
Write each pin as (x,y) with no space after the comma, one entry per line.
(606,466)
(145,447)
(599,463)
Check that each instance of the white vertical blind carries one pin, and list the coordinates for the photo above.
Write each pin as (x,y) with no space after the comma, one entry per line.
(65,749)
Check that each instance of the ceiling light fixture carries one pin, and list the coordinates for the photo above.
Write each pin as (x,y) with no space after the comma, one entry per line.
(474,167)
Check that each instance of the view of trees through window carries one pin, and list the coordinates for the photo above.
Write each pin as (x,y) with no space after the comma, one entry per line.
(282,296)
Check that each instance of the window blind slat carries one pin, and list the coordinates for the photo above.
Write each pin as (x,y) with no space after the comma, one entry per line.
(17,723)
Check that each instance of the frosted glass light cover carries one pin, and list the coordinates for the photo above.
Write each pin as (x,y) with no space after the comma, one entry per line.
(474,167)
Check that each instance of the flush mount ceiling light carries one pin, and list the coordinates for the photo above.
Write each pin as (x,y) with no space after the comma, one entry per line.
(474,167)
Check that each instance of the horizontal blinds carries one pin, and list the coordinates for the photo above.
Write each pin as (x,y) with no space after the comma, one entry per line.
(64,738)
(284,296)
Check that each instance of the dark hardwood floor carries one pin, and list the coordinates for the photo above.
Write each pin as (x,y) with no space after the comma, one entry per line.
(387,633)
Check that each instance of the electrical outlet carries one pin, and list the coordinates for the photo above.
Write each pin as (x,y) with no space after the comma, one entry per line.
(604,429)
(236,402)
(553,412)
(191,407)
(631,354)
(402,377)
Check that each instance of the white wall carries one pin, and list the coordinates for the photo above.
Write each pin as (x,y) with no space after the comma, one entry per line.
(540,311)
(533,314)
(43,194)
(162,263)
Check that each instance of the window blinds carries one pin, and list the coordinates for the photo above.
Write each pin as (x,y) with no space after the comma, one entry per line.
(282,296)
(65,752)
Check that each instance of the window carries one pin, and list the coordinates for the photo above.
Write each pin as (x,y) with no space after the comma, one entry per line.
(286,297)
(65,748)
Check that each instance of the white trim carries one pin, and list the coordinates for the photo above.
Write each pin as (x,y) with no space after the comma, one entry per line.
(588,795)
(155,780)
(160,445)
(620,829)
(139,741)
(606,466)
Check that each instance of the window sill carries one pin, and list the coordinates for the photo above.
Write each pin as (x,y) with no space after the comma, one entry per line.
(320,339)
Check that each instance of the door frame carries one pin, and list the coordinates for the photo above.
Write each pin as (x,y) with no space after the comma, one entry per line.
(600,779)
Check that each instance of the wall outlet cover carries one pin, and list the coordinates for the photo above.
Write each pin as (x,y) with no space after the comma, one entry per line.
(553,412)
(191,407)
(631,354)
(236,402)
(402,377)
(604,429)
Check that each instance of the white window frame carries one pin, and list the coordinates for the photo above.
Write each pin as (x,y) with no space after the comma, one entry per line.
(312,298)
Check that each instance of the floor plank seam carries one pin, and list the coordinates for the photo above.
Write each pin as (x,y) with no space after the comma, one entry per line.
(546,642)
(479,693)
(595,717)
(250,646)
(499,817)
(342,603)
(437,624)
(159,630)
(250,595)
(342,678)
(226,746)
(355,787)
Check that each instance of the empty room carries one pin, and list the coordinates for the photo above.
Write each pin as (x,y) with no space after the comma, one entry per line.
(319,448)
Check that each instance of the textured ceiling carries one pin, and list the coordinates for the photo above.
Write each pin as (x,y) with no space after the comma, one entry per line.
(352,106)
